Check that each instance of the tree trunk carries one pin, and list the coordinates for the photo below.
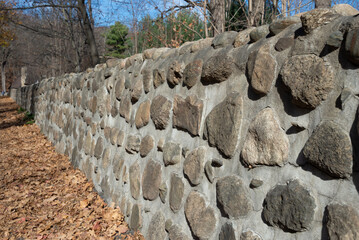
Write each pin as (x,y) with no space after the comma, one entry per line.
(95,59)
(3,77)
(205,18)
(323,3)
(217,8)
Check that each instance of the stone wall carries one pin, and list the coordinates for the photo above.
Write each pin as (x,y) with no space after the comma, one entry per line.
(249,135)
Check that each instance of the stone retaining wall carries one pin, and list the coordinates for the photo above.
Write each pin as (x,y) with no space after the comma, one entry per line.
(249,135)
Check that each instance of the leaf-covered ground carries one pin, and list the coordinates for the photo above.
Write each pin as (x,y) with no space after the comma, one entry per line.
(41,195)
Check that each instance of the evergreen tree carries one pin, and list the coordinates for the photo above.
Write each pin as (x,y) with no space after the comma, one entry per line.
(118,41)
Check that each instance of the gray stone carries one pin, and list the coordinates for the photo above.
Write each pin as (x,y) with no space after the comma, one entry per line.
(118,162)
(201,44)
(289,207)
(175,73)
(242,38)
(309,79)
(125,108)
(217,69)
(259,33)
(159,77)
(160,144)
(148,53)
(129,209)
(187,114)
(120,138)
(227,232)
(335,39)
(233,196)
(316,18)
(136,91)
(255,183)
(119,87)
(193,165)
(329,148)
(352,46)
(223,124)
(147,79)
(136,217)
(224,39)
(176,233)
(168,224)
(106,158)
(281,24)
(250,235)
(147,144)
(133,144)
(135,184)
(171,153)
(176,192)
(192,73)
(163,192)
(87,145)
(208,169)
(107,132)
(143,114)
(99,148)
(151,180)
(261,67)
(201,218)
(266,142)
(345,9)
(284,43)
(114,136)
(160,111)
(342,222)
(156,228)
(112,62)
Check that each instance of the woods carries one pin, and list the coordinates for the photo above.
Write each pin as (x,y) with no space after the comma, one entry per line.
(53,37)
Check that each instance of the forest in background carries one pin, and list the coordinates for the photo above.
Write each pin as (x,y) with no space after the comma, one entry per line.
(53,37)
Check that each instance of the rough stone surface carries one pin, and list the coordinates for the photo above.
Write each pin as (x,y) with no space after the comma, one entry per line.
(255,183)
(99,147)
(201,218)
(135,184)
(261,67)
(117,166)
(159,77)
(281,24)
(143,114)
(316,18)
(330,149)
(345,9)
(106,158)
(223,124)
(335,39)
(193,165)
(227,232)
(289,207)
(119,87)
(160,111)
(176,233)
(175,73)
(156,229)
(342,222)
(163,192)
(208,169)
(233,197)
(136,217)
(176,193)
(250,235)
(217,69)
(352,46)
(259,33)
(266,142)
(224,39)
(309,79)
(192,73)
(125,108)
(133,144)
(187,114)
(146,146)
(136,91)
(242,38)
(201,44)
(147,79)
(114,136)
(284,43)
(171,153)
(151,180)
(120,138)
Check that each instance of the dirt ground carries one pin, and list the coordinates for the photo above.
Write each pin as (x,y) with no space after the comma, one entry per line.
(41,195)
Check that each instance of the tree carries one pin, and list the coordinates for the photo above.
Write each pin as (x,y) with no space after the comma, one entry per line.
(117,39)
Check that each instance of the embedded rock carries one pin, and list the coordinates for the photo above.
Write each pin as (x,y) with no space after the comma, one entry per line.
(118,163)
(136,91)
(261,68)
(156,228)
(316,18)
(135,185)
(146,146)
(119,87)
(175,73)
(224,39)
(175,233)
(284,43)
(151,180)
(217,69)
(163,192)
(201,218)
(159,77)
(233,196)
(289,207)
(114,136)
(125,108)
(242,38)
(120,138)
(335,39)
(309,79)
(259,33)
(171,153)
(133,144)
(249,235)
(193,166)
(281,24)
(201,44)
(136,217)
(342,222)
(176,192)
(223,124)
(187,114)
(143,114)
(330,149)
(147,79)
(98,148)
(345,10)
(266,142)
(227,232)
(192,73)
(255,183)
(352,45)
(160,111)
(106,158)
(208,169)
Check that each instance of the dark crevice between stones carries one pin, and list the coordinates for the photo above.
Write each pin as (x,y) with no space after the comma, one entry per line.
(299,33)
(294,130)
(325,232)
(221,209)
(343,58)
(354,136)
